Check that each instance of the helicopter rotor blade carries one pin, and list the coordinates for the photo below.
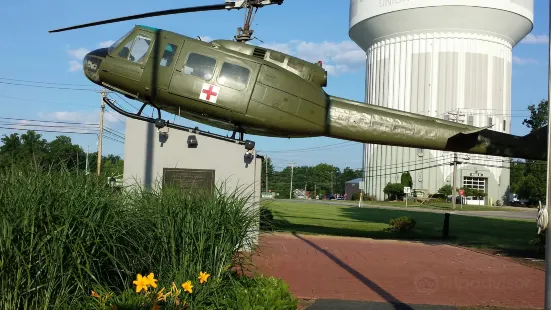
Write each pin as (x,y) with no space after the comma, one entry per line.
(227,5)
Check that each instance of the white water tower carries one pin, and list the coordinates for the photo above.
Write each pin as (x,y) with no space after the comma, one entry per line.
(450,59)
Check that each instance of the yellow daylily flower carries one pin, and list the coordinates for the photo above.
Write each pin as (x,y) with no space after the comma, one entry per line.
(141,283)
(94,294)
(187,286)
(203,276)
(151,280)
(161,296)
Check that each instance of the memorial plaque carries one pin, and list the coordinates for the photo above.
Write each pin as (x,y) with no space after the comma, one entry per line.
(189,179)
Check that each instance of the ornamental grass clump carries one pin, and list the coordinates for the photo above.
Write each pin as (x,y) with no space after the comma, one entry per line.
(61,234)
(67,234)
(195,230)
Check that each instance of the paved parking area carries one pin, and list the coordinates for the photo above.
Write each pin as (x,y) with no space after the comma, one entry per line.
(397,272)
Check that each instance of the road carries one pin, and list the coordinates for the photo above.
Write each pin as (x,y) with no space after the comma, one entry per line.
(520,213)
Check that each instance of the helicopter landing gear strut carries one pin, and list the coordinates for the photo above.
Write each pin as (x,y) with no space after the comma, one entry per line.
(161,123)
(240,130)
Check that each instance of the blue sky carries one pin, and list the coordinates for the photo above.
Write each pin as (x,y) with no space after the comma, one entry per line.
(304,28)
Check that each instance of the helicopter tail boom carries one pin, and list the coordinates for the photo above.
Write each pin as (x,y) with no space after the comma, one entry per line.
(373,124)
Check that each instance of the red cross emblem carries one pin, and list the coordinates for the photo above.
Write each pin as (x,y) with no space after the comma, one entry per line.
(209,92)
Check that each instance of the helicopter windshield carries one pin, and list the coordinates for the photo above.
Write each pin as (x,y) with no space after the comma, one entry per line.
(114,45)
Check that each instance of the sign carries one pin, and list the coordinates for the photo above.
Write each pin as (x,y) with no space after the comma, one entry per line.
(189,179)
(462,192)
(407,190)
(209,92)
(476,174)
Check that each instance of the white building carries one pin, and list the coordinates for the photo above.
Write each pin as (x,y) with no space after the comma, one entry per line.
(443,58)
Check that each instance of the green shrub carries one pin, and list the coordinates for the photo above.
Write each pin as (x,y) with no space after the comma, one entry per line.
(402,224)
(266,218)
(264,293)
(64,235)
(539,242)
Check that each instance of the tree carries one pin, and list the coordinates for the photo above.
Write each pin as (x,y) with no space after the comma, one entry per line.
(406,179)
(63,153)
(530,182)
(394,191)
(270,173)
(31,149)
(538,116)
(10,150)
(445,190)
(517,169)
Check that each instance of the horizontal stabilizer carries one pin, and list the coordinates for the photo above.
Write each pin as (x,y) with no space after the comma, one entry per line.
(476,130)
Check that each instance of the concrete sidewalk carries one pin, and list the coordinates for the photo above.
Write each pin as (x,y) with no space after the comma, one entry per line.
(397,273)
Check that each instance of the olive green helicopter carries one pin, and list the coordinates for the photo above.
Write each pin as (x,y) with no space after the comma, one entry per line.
(236,86)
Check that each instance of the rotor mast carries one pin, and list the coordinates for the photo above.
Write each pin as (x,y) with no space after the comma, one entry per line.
(245,33)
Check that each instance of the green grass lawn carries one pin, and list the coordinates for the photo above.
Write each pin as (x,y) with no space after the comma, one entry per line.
(509,237)
(431,205)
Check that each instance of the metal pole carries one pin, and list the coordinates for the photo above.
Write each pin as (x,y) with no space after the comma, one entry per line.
(548,194)
(454,176)
(266,173)
(87,151)
(100,141)
(291,188)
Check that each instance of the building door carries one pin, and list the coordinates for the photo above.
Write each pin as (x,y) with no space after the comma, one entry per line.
(477,183)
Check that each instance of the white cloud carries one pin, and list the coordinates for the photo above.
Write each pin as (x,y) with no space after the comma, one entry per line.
(337,57)
(523,61)
(79,53)
(106,43)
(535,39)
(74,66)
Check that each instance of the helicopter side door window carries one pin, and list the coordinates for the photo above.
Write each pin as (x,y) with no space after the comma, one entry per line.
(168,55)
(234,76)
(200,66)
(136,50)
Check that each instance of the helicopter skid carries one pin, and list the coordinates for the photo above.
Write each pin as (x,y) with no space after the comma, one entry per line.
(160,123)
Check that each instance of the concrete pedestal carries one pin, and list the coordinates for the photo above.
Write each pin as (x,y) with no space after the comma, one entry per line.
(149,155)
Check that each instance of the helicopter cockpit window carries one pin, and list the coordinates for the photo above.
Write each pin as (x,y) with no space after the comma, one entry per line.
(136,50)
(234,76)
(200,66)
(114,45)
(168,55)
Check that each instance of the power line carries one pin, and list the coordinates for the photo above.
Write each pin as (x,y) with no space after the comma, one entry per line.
(47,121)
(45,130)
(42,82)
(51,87)
(322,147)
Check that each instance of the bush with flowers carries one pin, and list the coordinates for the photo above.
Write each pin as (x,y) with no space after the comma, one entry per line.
(69,241)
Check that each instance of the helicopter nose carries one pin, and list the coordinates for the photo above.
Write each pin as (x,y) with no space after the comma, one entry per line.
(91,64)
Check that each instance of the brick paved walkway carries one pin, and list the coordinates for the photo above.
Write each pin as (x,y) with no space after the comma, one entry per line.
(397,272)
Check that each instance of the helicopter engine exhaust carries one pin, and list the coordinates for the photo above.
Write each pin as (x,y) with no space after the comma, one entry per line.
(355,121)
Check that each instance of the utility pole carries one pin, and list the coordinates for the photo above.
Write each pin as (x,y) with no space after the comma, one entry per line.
(100,138)
(332,193)
(315,189)
(266,173)
(291,189)
(87,151)
(454,174)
